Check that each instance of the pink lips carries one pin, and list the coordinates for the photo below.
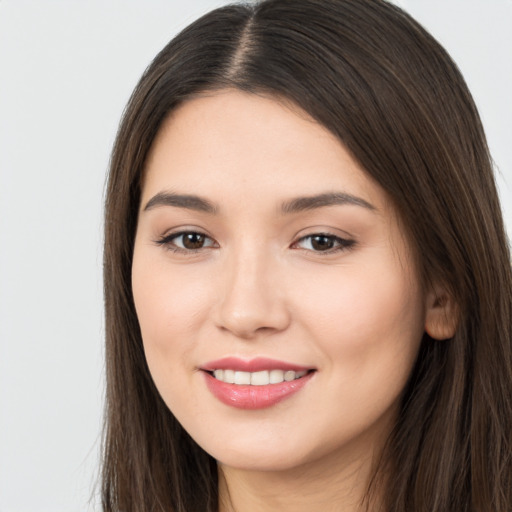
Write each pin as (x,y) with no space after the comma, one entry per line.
(253,397)
(253,365)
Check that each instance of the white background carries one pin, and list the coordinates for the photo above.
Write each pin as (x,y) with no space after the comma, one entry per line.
(66,71)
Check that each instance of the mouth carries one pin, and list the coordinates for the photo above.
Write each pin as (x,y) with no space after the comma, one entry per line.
(260,378)
(254,384)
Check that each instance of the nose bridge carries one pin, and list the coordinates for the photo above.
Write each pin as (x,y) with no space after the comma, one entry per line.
(251,301)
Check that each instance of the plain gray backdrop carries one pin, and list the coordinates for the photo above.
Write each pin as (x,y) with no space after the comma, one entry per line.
(67,69)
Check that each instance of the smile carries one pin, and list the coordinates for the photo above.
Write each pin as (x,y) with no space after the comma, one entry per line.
(261,378)
(254,384)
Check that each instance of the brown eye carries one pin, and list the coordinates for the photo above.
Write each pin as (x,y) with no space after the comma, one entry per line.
(322,242)
(193,240)
(187,241)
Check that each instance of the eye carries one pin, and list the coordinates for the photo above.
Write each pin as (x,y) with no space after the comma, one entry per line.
(187,241)
(323,242)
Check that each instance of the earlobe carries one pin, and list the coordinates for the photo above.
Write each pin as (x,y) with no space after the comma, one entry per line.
(442,314)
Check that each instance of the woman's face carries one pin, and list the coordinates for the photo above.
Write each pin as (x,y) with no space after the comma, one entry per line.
(264,255)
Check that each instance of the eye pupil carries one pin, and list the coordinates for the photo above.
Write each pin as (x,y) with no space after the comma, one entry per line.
(193,240)
(322,242)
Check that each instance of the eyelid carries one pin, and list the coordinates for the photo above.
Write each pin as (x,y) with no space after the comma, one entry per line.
(343,243)
(167,240)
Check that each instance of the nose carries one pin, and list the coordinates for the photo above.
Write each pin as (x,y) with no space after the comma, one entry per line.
(253,296)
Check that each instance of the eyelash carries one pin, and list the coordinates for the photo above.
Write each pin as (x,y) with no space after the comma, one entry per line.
(340,244)
(168,242)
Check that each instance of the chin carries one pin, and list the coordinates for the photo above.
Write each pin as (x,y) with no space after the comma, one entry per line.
(258,461)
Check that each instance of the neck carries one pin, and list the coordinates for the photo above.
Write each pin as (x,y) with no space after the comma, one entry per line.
(338,486)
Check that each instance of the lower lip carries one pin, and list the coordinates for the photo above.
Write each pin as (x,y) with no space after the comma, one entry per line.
(254,397)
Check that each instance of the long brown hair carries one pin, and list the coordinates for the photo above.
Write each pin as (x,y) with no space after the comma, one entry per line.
(377,80)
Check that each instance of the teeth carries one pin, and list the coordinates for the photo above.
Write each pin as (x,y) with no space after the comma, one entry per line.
(257,378)
(276,376)
(260,378)
(289,376)
(242,378)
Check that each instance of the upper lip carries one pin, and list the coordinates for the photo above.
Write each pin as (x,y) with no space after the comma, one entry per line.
(257,364)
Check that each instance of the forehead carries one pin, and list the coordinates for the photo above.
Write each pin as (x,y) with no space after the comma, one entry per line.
(229,143)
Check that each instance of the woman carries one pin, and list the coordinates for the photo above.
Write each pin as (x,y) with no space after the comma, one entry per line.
(308,286)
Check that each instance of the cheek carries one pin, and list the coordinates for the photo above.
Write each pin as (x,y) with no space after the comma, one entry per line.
(170,307)
(367,326)
(369,313)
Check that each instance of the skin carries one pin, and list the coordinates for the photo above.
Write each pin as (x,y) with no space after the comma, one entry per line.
(258,287)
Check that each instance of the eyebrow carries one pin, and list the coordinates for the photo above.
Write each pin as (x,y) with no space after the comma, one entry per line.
(190,202)
(322,200)
(299,204)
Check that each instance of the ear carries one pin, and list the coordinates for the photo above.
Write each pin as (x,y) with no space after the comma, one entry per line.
(442,314)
